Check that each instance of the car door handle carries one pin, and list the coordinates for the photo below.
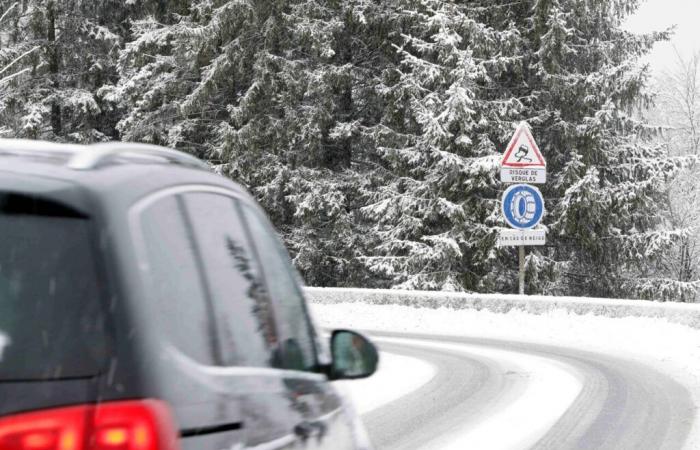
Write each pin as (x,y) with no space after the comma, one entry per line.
(307,429)
(211,429)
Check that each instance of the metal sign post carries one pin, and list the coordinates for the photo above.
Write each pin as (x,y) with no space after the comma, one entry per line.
(522,205)
(521,269)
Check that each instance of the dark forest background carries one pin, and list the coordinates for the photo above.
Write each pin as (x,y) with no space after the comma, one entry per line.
(371,130)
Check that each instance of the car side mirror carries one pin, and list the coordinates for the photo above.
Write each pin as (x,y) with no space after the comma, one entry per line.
(354,356)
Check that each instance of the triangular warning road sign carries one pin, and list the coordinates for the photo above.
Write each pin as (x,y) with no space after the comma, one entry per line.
(522,151)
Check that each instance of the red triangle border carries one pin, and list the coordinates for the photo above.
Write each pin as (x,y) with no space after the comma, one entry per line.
(531,140)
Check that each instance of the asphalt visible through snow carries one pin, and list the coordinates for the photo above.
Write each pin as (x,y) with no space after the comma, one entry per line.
(618,404)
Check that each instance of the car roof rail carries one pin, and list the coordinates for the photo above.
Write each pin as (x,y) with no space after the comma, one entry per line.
(90,157)
(32,147)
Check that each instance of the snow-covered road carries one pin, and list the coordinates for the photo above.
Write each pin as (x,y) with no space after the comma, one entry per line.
(500,395)
(497,392)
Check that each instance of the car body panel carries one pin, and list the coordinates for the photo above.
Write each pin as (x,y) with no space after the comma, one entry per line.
(215,407)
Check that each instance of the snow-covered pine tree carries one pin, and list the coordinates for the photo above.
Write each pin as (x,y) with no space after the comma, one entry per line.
(9,69)
(435,214)
(467,75)
(159,67)
(607,180)
(261,89)
(70,49)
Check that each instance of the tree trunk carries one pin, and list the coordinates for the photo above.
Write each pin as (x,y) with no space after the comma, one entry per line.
(54,68)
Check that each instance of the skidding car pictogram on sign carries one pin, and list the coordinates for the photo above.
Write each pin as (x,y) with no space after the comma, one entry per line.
(522,161)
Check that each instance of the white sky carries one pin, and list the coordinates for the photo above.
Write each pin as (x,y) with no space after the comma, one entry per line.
(659,14)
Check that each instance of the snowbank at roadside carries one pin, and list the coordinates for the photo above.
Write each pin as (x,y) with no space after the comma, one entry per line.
(670,348)
(680,313)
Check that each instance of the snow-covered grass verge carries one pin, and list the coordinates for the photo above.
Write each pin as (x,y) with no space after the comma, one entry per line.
(670,348)
(680,313)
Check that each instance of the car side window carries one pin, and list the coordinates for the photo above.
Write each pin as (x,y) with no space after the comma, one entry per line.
(175,282)
(244,314)
(296,333)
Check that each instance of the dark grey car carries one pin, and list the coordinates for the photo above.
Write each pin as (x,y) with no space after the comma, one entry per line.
(146,303)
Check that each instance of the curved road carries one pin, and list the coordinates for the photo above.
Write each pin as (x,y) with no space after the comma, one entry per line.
(618,405)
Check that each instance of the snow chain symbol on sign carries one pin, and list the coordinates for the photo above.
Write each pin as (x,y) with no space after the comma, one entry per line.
(523,206)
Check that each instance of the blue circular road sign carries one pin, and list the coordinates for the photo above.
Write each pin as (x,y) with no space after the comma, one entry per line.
(522,206)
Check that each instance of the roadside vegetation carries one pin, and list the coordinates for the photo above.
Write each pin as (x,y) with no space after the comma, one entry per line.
(371,131)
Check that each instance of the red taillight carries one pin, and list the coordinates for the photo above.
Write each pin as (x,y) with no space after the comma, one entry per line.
(127,425)
(133,425)
(59,429)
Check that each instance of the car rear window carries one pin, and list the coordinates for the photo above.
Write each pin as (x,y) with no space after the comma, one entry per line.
(51,326)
